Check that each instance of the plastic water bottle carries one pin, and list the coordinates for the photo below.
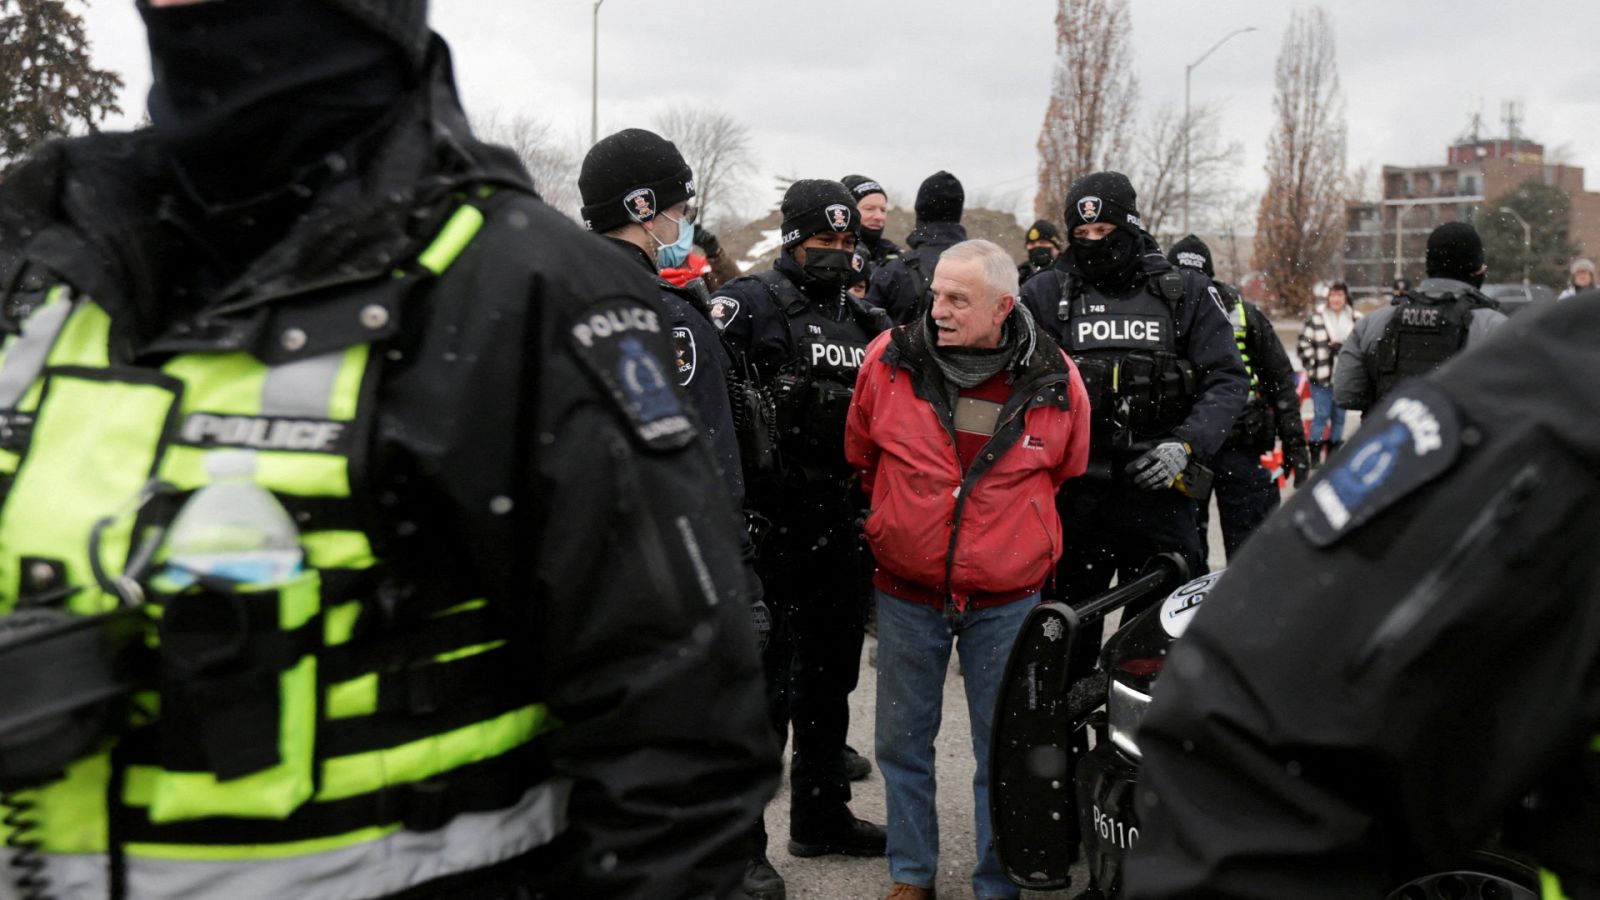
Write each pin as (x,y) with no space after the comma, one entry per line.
(233,528)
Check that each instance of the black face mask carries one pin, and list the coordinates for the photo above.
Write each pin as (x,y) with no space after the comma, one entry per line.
(1041,257)
(829,266)
(1110,262)
(248,93)
(871,235)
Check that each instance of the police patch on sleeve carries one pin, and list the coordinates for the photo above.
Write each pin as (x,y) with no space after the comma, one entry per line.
(723,311)
(613,342)
(683,354)
(1413,438)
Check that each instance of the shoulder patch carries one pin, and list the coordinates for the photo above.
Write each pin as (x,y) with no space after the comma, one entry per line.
(683,353)
(1216,297)
(1415,437)
(612,340)
(724,310)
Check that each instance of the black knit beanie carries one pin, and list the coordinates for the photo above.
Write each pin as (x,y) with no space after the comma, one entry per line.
(629,177)
(815,205)
(403,21)
(1192,253)
(1454,251)
(1044,230)
(860,186)
(940,198)
(1103,197)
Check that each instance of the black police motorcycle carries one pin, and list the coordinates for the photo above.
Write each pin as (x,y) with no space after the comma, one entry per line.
(1049,790)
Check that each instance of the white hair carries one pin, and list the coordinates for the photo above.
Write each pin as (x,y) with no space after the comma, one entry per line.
(999,271)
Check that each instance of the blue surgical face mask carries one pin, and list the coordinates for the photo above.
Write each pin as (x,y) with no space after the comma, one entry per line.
(675,254)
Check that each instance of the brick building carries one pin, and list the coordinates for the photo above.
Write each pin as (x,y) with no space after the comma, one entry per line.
(1379,237)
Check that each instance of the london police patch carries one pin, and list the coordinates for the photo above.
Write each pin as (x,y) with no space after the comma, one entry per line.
(683,354)
(614,342)
(1413,438)
(723,311)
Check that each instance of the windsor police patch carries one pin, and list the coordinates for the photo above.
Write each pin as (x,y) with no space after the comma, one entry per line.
(838,216)
(1413,438)
(621,344)
(723,311)
(1089,209)
(640,204)
(683,351)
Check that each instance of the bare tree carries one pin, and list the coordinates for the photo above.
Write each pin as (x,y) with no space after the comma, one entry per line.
(47,83)
(552,162)
(1092,97)
(1157,169)
(719,150)
(1232,258)
(1300,225)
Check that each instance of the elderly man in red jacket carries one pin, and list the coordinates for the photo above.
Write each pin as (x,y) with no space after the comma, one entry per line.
(963,425)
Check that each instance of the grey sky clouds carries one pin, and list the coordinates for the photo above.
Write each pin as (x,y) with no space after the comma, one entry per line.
(897,89)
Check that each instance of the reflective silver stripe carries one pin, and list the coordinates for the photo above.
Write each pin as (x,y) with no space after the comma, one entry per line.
(25,360)
(377,868)
(302,388)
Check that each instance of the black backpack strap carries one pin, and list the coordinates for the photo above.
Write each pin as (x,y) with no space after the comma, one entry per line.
(783,291)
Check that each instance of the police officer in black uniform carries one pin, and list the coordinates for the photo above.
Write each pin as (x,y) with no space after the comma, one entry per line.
(903,287)
(1042,243)
(1433,677)
(533,521)
(1246,493)
(803,339)
(1157,353)
(1424,327)
(872,202)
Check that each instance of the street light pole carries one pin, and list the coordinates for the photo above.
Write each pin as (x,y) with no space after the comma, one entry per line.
(1186,129)
(594,79)
(1399,217)
(1527,245)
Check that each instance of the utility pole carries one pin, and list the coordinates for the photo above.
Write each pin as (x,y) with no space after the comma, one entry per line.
(1186,129)
(594,79)
(1527,247)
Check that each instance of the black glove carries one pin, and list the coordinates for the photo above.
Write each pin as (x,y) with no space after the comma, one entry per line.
(1297,460)
(761,619)
(707,242)
(1160,466)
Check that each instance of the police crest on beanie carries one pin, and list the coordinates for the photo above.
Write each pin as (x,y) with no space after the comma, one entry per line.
(1103,197)
(940,198)
(1454,251)
(861,186)
(816,206)
(629,177)
(1044,230)
(403,21)
(1192,253)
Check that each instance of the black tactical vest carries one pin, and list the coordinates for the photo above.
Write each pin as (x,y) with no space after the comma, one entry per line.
(1418,338)
(813,388)
(1126,352)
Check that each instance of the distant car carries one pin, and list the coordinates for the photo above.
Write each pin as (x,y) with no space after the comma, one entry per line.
(1516,296)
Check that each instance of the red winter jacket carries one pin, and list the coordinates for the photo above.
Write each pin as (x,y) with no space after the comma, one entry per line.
(984,537)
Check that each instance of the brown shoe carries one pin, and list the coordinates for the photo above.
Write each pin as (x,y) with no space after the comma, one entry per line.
(909,892)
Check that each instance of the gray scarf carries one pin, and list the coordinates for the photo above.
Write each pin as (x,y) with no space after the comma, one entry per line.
(968,367)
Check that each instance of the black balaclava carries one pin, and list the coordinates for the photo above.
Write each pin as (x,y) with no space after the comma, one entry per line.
(1043,230)
(1456,251)
(862,187)
(250,94)
(1112,262)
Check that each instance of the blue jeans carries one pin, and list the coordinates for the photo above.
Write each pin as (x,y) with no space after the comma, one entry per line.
(914,642)
(1324,412)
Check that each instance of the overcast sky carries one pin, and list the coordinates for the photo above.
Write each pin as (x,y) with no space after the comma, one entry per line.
(896,89)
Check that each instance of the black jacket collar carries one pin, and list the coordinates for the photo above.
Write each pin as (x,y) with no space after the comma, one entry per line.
(937,235)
